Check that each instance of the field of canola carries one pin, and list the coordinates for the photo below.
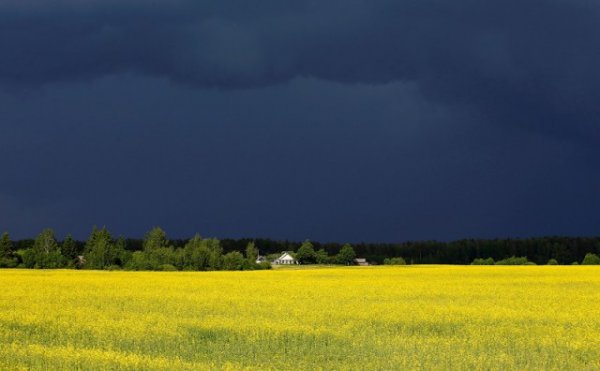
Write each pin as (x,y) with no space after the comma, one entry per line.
(431,317)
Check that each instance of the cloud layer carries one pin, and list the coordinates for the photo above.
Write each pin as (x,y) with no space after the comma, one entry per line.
(528,63)
(376,119)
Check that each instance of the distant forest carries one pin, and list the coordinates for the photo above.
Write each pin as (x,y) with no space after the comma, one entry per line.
(156,252)
(565,250)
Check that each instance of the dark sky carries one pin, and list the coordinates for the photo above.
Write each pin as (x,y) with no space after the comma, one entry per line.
(333,120)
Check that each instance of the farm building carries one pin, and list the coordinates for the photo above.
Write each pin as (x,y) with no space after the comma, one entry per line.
(260,259)
(285,258)
(360,261)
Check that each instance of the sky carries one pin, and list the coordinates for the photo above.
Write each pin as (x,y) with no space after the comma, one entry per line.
(329,120)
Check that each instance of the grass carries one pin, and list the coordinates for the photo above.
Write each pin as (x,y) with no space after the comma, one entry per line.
(427,317)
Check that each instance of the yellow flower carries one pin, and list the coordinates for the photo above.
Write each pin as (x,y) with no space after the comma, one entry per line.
(379,318)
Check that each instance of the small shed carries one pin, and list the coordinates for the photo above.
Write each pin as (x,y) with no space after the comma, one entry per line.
(361,262)
(80,262)
(260,259)
(285,259)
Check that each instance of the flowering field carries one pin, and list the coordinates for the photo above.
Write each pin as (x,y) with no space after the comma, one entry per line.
(431,317)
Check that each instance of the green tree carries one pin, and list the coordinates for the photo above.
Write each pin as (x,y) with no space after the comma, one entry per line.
(100,251)
(215,259)
(346,255)
(123,255)
(139,262)
(306,253)
(7,253)
(178,258)
(233,261)
(322,257)
(156,254)
(69,248)
(251,252)
(591,259)
(552,262)
(161,256)
(45,252)
(395,261)
(6,246)
(202,254)
(481,261)
(196,254)
(513,260)
(155,239)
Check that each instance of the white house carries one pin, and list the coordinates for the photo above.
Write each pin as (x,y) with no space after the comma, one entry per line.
(285,258)
(361,261)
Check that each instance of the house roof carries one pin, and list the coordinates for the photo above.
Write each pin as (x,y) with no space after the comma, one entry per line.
(286,256)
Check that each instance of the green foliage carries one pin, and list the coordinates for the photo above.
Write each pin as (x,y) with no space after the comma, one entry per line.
(215,258)
(177,258)
(52,260)
(167,268)
(522,260)
(272,257)
(155,239)
(139,262)
(233,261)
(6,246)
(26,257)
(346,255)
(8,262)
(195,254)
(251,252)
(207,254)
(161,256)
(7,254)
(481,261)
(552,262)
(322,257)
(202,254)
(395,261)
(100,250)
(69,248)
(45,252)
(306,253)
(123,255)
(156,254)
(264,265)
(591,259)
(540,250)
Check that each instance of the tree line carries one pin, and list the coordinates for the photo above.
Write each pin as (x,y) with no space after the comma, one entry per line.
(155,252)
(539,250)
(102,251)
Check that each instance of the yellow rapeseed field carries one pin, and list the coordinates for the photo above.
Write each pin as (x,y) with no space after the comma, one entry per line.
(413,317)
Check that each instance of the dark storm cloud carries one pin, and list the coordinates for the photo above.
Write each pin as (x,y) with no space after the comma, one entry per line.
(308,159)
(528,63)
(374,119)
(235,43)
